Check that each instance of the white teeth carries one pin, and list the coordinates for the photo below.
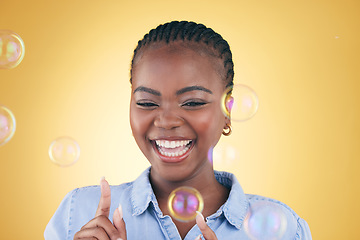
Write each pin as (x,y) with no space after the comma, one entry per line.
(172,144)
(174,154)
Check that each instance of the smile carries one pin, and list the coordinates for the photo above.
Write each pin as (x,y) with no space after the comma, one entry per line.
(173,151)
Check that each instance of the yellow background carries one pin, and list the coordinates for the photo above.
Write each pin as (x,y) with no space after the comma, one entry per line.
(301,57)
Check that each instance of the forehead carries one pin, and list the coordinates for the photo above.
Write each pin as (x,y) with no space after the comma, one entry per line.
(176,64)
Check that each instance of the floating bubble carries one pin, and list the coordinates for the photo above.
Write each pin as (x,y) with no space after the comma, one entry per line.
(183,203)
(7,125)
(265,221)
(239,103)
(12,49)
(64,151)
(223,154)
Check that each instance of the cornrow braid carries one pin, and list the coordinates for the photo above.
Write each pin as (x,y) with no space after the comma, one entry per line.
(191,32)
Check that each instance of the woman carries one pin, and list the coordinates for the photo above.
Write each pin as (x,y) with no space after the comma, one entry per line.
(179,72)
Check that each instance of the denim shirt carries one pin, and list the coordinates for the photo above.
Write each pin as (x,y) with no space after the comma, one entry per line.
(144,219)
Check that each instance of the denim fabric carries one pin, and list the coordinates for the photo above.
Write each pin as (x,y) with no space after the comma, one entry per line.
(144,219)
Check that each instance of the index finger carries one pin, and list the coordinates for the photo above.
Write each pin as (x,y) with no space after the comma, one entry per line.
(105,199)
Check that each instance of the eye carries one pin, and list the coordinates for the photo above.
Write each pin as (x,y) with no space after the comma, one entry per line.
(194,104)
(147,105)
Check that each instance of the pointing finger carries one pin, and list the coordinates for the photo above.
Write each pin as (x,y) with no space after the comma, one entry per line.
(105,199)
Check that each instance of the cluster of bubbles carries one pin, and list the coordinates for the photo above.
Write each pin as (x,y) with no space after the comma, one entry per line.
(64,151)
(265,221)
(12,49)
(184,203)
(239,103)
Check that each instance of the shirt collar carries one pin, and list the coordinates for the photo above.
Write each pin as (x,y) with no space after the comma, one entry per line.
(142,193)
(236,206)
(234,209)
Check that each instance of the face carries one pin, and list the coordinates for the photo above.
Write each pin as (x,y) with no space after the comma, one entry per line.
(175,112)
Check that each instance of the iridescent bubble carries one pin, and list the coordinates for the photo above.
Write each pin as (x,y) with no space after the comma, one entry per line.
(265,221)
(64,151)
(12,49)
(239,103)
(7,125)
(223,154)
(183,203)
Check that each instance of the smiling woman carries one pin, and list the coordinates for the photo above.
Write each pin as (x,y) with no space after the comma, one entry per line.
(179,73)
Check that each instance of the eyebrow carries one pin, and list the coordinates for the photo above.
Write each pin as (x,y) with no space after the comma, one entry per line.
(179,92)
(193,88)
(148,90)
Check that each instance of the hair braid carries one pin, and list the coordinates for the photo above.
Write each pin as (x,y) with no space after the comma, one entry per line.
(189,32)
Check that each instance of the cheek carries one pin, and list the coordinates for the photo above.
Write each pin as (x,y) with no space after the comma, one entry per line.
(208,126)
(139,123)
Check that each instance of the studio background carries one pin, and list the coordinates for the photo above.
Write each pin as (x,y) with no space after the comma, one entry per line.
(301,57)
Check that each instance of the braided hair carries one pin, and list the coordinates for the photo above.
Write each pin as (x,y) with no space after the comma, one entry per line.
(191,33)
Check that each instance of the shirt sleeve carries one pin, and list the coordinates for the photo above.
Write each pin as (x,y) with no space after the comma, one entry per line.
(303,231)
(58,226)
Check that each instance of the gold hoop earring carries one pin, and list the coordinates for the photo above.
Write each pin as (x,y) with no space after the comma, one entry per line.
(229,130)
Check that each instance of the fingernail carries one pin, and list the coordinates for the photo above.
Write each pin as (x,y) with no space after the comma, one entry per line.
(119,239)
(198,237)
(120,211)
(102,183)
(102,178)
(200,221)
(199,216)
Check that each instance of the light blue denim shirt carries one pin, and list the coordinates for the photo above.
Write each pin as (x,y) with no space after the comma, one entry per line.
(144,219)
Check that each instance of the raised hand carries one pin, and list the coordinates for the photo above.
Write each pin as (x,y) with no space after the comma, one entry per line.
(206,231)
(100,227)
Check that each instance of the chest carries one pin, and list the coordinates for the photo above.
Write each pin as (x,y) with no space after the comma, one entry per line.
(183,227)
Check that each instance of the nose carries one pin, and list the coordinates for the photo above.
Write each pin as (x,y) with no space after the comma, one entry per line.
(168,119)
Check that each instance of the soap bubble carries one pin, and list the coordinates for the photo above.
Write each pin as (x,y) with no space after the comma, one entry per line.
(12,49)
(223,154)
(64,151)
(7,125)
(239,103)
(265,221)
(183,203)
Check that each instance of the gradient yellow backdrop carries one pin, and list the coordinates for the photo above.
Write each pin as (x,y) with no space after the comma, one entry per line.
(301,57)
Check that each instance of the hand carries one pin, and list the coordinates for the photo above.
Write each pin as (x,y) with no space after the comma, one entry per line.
(206,231)
(100,227)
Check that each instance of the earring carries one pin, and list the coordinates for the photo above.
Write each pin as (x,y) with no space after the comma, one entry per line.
(229,130)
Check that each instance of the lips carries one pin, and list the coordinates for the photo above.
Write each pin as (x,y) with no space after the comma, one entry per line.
(172,150)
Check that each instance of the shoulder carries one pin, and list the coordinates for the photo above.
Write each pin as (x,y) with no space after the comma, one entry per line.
(288,222)
(90,192)
(78,207)
(257,200)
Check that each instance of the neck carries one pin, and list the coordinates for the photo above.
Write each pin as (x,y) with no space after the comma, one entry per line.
(202,180)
